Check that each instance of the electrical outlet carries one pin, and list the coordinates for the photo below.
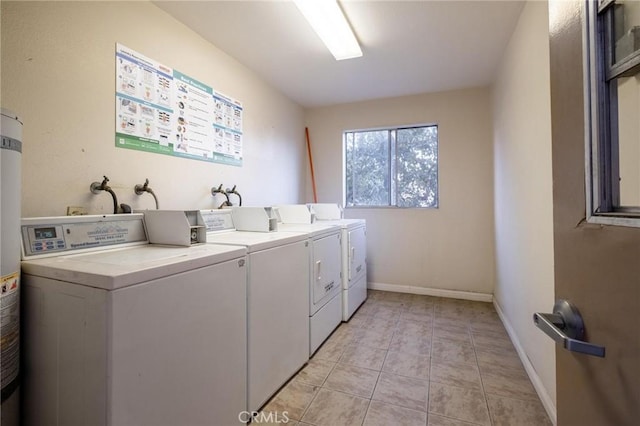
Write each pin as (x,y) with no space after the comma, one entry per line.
(76,211)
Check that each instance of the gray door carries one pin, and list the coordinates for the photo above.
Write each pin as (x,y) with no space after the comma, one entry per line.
(596,267)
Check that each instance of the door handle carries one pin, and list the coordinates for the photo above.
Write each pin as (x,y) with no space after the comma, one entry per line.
(565,326)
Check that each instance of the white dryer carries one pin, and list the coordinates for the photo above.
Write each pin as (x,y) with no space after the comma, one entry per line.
(354,255)
(120,332)
(325,270)
(277,297)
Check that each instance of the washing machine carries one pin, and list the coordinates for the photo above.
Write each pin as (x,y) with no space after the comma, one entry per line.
(277,295)
(354,255)
(117,331)
(325,270)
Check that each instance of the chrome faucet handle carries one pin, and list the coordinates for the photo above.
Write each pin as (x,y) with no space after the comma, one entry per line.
(141,189)
(217,190)
(96,187)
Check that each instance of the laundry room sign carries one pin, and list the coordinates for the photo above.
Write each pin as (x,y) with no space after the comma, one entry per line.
(161,110)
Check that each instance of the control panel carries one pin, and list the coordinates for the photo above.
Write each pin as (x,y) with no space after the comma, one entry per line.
(54,235)
(45,238)
(217,220)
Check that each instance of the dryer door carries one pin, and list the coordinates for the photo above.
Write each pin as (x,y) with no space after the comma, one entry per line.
(357,252)
(326,269)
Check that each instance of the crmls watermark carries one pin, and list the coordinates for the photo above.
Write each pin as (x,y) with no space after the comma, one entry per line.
(263,417)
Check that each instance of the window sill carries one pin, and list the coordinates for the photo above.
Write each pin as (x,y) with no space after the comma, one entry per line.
(615,219)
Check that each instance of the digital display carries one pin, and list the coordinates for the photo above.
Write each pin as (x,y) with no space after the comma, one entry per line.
(44,233)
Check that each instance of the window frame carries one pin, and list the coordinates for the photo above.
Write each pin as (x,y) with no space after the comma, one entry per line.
(601,118)
(392,155)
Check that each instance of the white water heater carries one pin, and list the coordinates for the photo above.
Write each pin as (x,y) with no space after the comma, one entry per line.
(10,184)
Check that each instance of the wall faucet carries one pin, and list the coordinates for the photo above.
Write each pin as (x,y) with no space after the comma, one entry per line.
(96,187)
(233,191)
(141,189)
(219,190)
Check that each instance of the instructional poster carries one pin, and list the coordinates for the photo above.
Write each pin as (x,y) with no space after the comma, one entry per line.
(161,110)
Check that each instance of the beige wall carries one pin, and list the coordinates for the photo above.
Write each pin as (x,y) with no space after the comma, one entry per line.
(58,75)
(448,248)
(523,194)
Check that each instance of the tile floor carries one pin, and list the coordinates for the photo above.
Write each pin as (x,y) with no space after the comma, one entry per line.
(407,359)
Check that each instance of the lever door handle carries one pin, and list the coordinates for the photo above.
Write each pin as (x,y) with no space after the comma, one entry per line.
(565,326)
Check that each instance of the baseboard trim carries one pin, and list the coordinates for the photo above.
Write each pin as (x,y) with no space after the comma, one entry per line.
(546,400)
(438,292)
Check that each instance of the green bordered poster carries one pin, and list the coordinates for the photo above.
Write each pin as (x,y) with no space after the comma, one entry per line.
(161,110)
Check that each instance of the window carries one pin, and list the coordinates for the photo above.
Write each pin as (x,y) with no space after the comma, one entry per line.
(392,167)
(613,111)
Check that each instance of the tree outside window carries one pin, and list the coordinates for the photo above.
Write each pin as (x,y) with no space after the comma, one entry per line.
(392,167)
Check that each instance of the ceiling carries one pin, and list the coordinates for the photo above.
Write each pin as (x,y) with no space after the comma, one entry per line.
(409,47)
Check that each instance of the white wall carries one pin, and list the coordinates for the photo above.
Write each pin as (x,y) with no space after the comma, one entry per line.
(58,75)
(450,248)
(523,193)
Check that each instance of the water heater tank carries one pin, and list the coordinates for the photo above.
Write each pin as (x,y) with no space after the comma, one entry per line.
(10,184)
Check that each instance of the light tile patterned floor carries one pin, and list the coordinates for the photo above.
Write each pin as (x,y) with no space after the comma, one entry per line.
(407,359)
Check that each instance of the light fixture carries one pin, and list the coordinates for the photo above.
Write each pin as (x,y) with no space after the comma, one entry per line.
(330,24)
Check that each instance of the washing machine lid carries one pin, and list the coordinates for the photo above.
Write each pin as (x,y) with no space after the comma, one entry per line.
(255,241)
(344,223)
(121,267)
(314,230)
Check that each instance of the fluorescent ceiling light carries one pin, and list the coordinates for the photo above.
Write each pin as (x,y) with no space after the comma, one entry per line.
(329,23)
